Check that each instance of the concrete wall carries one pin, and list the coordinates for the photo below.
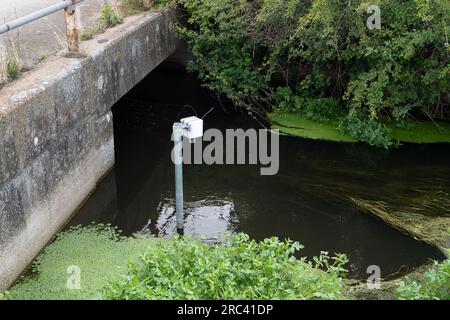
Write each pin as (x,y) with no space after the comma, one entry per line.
(56,133)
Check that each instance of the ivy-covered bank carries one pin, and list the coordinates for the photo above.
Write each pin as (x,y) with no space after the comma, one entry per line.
(319,61)
(143,267)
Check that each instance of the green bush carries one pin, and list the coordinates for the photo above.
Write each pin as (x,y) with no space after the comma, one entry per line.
(239,269)
(322,49)
(435,284)
(319,109)
(366,130)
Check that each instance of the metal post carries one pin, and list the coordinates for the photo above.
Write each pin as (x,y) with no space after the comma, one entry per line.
(72,28)
(178,159)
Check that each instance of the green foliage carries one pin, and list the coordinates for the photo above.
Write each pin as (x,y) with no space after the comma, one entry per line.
(319,109)
(326,58)
(13,68)
(89,32)
(239,269)
(10,64)
(367,130)
(435,284)
(223,56)
(117,267)
(110,16)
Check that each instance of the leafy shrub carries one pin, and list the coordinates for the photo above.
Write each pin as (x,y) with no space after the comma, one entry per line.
(310,108)
(322,49)
(366,130)
(239,269)
(435,284)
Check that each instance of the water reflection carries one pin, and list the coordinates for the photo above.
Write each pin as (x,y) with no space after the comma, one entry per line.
(209,218)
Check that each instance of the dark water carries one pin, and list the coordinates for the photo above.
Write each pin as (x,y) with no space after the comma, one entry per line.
(303,202)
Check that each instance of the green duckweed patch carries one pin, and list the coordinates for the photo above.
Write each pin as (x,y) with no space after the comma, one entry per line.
(99,253)
(418,132)
(423,132)
(294,125)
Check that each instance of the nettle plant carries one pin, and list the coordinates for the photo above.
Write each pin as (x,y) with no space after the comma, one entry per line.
(323,49)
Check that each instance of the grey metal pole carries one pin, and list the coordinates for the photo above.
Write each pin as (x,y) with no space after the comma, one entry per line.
(178,159)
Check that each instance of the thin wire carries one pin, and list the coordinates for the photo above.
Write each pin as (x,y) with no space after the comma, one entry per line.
(187,105)
(208,112)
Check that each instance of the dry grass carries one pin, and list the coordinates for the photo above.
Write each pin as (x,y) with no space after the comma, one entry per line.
(10,64)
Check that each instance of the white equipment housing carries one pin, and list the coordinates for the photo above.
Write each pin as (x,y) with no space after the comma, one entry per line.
(193,128)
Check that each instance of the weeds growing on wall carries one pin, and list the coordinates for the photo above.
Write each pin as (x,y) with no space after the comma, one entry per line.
(10,64)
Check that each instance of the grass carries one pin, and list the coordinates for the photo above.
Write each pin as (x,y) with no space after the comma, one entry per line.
(89,32)
(109,17)
(112,15)
(418,132)
(10,64)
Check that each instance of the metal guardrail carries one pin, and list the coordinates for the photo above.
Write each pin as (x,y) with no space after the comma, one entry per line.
(69,12)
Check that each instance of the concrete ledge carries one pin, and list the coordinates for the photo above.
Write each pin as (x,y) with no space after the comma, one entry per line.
(56,132)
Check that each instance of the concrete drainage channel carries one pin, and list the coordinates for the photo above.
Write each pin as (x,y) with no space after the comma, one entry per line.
(56,132)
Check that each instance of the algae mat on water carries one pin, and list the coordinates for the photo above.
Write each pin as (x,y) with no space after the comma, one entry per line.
(97,252)
(419,132)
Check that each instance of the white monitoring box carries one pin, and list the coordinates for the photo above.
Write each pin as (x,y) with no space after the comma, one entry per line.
(194,127)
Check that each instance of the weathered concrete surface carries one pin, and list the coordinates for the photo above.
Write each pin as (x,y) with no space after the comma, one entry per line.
(56,133)
(41,38)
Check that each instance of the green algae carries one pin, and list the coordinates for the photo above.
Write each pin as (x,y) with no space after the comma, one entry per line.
(294,125)
(417,132)
(423,132)
(98,252)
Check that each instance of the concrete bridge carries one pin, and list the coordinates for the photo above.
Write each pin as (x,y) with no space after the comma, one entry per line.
(56,132)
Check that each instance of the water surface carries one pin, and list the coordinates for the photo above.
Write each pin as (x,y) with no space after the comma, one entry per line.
(307,201)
